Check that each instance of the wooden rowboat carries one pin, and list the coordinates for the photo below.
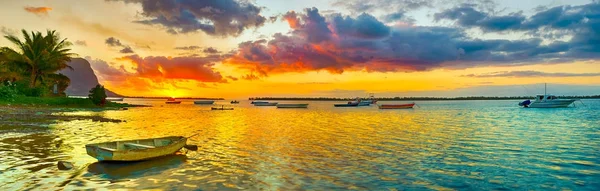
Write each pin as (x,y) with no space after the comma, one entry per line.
(136,150)
(300,105)
(397,106)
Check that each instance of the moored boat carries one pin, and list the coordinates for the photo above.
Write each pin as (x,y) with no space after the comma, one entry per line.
(289,105)
(135,150)
(396,106)
(349,104)
(255,102)
(365,103)
(172,101)
(547,101)
(204,102)
(114,99)
(235,102)
(265,104)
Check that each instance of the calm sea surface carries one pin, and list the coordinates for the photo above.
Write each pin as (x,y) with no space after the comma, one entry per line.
(443,145)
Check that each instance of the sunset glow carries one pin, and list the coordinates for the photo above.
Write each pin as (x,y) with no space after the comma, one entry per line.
(320,48)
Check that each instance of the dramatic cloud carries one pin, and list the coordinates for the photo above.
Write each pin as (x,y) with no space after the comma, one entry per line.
(210,50)
(232,78)
(181,68)
(126,50)
(337,43)
(569,18)
(530,73)
(362,6)
(81,43)
(187,48)
(106,71)
(39,11)
(112,41)
(213,17)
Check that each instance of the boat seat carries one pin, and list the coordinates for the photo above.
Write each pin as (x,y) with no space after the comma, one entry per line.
(139,146)
(108,149)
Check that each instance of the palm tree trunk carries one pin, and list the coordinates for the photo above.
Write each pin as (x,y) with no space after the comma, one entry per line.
(33,79)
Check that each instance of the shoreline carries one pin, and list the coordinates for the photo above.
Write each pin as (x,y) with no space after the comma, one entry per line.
(44,116)
(417,98)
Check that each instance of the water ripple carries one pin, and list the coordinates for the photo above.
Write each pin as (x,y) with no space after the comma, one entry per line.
(453,145)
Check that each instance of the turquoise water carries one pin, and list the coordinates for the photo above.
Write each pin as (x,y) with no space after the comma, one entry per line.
(454,145)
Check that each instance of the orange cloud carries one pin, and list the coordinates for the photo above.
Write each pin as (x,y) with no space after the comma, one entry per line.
(39,11)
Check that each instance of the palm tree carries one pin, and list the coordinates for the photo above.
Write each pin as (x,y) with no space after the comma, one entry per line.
(38,55)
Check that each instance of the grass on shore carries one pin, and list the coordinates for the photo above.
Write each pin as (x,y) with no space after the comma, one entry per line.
(57,102)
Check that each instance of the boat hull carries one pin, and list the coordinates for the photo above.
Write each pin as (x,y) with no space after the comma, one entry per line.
(122,151)
(396,106)
(265,104)
(173,102)
(115,99)
(204,102)
(346,105)
(292,105)
(552,104)
(363,103)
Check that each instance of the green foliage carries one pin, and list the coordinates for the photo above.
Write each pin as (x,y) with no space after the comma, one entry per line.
(8,92)
(98,95)
(24,89)
(37,56)
(63,102)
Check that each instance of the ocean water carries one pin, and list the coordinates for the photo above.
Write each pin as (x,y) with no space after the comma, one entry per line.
(440,145)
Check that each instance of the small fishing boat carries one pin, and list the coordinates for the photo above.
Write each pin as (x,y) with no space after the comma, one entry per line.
(349,104)
(135,150)
(114,99)
(221,108)
(547,101)
(288,105)
(396,106)
(172,101)
(204,102)
(254,102)
(265,104)
(235,102)
(365,103)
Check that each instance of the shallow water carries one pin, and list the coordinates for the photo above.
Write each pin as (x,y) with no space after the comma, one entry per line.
(461,145)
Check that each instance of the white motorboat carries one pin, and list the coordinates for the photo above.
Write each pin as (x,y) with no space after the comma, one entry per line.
(547,101)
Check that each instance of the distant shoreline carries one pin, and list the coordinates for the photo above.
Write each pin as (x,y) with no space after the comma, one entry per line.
(418,98)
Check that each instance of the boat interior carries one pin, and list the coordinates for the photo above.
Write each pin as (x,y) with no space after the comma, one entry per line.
(138,144)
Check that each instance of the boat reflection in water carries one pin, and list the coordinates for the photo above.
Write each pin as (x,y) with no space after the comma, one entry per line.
(117,170)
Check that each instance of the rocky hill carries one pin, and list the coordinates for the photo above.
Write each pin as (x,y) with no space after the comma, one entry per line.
(82,78)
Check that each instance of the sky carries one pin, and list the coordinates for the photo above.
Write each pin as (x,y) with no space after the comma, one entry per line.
(310,48)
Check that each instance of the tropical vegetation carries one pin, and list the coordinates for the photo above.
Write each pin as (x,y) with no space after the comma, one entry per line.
(28,72)
(98,95)
(31,64)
